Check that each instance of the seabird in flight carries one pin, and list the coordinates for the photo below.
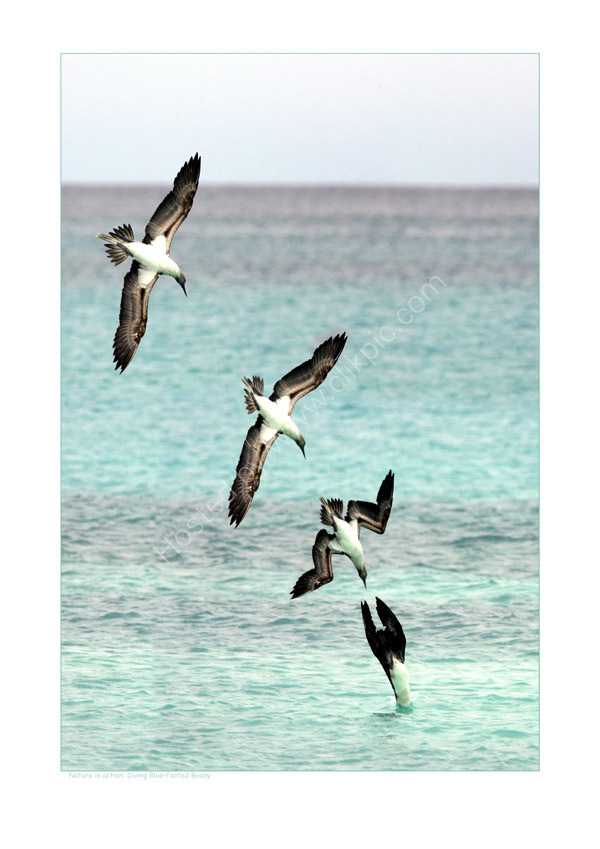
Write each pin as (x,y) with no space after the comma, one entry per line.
(345,538)
(150,260)
(274,417)
(389,647)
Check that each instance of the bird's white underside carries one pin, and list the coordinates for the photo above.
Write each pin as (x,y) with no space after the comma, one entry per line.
(276,418)
(347,542)
(399,676)
(153,259)
(145,276)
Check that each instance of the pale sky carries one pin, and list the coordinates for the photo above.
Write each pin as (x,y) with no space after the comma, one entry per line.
(427,119)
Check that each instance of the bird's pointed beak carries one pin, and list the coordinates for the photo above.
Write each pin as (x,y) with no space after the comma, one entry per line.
(364,580)
(303,452)
(183,287)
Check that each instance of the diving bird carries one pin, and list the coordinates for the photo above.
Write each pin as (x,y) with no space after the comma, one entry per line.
(150,260)
(274,417)
(389,647)
(345,538)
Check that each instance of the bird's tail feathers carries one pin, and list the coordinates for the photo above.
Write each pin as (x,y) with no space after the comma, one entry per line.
(256,385)
(329,508)
(116,243)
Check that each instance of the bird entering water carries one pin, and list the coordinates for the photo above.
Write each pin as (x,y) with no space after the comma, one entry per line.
(274,417)
(150,260)
(345,538)
(389,647)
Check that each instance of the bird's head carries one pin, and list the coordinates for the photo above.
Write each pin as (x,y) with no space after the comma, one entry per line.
(301,442)
(181,281)
(363,574)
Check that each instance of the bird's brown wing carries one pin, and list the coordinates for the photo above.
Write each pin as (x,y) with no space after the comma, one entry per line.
(374,517)
(133,315)
(173,210)
(248,471)
(310,374)
(322,573)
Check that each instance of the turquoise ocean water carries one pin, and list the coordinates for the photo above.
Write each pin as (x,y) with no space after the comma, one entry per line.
(181,649)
